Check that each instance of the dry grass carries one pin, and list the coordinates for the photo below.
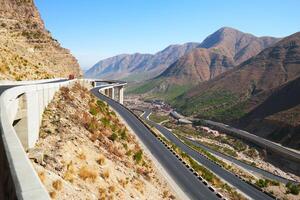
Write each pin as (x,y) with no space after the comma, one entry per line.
(42,176)
(165,194)
(57,185)
(105,174)
(102,193)
(82,156)
(112,189)
(87,173)
(69,174)
(53,194)
(101,159)
(123,182)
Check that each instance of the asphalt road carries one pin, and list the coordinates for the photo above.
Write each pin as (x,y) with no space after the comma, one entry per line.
(244,165)
(237,183)
(184,178)
(267,144)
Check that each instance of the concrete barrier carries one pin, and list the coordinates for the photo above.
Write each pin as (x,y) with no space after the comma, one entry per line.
(21,114)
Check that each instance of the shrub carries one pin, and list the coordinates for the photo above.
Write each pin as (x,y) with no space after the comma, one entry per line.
(100,103)
(57,185)
(262,183)
(87,173)
(123,134)
(94,111)
(81,156)
(69,174)
(101,160)
(93,125)
(105,121)
(138,156)
(102,192)
(105,174)
(111,189)
(53,194)
(293,188)
(113,137)
(42,176)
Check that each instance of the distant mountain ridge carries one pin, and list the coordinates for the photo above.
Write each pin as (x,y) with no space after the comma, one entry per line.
(260,95)
(144,65)
(218,53)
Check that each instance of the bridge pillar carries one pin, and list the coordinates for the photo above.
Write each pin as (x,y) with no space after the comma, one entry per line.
(121,95)
(111,93)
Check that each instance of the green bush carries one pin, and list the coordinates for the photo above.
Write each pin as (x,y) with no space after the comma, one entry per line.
(138,156)
(262,183)
(113,137)
(123,134)
(93,111)
(105,121)
(293,188)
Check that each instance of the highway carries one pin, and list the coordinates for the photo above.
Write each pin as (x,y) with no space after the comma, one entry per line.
(244,165)
(184,178)
(266,144)
(229,177)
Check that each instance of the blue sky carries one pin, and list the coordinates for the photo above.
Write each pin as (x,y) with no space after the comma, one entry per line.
(97,29)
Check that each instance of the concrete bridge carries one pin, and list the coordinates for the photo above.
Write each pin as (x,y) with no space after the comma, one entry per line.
(21,108)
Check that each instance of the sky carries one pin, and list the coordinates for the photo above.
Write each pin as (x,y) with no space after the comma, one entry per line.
(97,29)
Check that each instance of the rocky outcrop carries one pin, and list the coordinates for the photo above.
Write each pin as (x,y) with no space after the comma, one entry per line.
(28,51)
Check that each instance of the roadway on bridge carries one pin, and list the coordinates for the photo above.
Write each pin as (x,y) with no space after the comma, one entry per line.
(5,87)
(184,178)
(229,177)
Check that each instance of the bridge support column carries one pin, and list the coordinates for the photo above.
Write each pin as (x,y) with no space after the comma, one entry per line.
(111,93)
(121,95)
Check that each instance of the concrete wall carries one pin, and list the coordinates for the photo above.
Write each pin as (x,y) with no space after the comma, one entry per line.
(21,113)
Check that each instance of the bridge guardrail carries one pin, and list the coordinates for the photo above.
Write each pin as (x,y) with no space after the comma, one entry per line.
(18,177)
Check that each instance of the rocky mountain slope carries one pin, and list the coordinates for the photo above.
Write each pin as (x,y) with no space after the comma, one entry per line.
(235,44)
(218,53)
(28,51)
(249,92)
(86,152)
(137,67)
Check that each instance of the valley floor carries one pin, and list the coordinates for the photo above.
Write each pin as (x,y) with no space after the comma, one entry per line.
(221,143)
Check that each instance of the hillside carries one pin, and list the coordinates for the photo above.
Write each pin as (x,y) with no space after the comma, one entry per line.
(248,90)
(28,51)
(218,53)
(138,67)
(86,152)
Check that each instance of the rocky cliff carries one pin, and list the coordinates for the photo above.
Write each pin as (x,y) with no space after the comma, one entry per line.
(27,49)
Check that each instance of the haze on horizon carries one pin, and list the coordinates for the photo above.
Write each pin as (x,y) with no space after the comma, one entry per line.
(95,30)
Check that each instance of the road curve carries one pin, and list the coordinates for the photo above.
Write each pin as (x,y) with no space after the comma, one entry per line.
(247,189)
(185,179)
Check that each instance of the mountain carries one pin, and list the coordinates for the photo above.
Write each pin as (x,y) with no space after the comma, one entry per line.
(138,66)
(260,95)
(218,53)
(28,51)
(235,44)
